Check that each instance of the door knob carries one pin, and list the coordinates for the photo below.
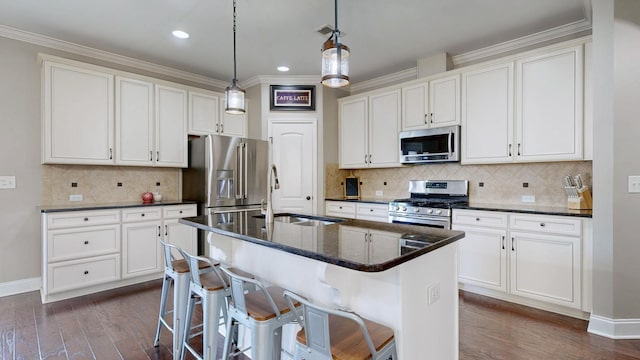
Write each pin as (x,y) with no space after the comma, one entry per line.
(308,197)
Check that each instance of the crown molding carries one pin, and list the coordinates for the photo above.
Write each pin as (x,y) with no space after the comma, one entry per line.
(42,40)
(281,80)
(404,75)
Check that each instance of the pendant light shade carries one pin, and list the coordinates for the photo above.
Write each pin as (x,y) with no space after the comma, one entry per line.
(234,94)
(335,58)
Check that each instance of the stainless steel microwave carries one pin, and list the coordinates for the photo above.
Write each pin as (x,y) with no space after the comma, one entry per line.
(430,145)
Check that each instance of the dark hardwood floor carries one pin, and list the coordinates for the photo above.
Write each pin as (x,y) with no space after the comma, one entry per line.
(120,324)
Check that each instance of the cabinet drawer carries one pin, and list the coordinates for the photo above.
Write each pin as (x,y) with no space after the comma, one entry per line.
(141,214)
(337,208)
(179,211)
(480,218)
(65,244)
(82,218)
(77,274)
(547,224)
(374,212)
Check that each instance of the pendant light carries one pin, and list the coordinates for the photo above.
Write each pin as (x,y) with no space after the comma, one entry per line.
(335,58)
(235,95)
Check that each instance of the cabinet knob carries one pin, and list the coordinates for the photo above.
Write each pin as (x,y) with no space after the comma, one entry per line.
(340,207)
(86,272)
(308,197)
(180,211)
(86,219)
(477,219)
(142,214)
(542,224)
(86,242)
(371,210)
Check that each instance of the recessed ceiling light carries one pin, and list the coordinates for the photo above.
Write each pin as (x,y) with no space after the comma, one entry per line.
(283,68)
(180,34)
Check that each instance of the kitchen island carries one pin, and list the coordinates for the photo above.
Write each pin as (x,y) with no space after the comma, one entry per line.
(402,276)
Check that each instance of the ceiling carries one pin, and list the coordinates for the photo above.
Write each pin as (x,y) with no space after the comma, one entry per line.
(384,36)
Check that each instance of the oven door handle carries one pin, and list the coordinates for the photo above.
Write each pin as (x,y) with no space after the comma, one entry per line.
(450,144)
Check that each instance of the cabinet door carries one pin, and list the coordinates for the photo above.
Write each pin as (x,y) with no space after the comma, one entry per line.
(546,268)
(415,107)
(549,100)
(444,101)
(482,257)
(141,250)
(487,115)
(381,245)
(204,113)
(353,244)
(234,124)
(372,212)
(384,125)
(171,126)
(134,122)
(354,118)
(182,236)
(78,115)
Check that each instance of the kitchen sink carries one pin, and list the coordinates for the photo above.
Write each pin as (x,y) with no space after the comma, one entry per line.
(304,220)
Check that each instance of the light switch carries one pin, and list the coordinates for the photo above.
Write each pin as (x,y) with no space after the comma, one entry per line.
(7,182)
(634,184)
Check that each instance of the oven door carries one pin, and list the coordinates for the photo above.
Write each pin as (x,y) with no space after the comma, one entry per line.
(441,222)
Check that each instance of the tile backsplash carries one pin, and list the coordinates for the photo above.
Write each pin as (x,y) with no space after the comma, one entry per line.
(501,183)
(106,184)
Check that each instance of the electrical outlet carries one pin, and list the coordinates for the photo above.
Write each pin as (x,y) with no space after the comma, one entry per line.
(528,198)
(76,197)
(7,182)
(379,193)
(433,294)
(634,184)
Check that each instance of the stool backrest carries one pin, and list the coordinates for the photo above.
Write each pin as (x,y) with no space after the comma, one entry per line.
(168,253)
(241,283)
(315,321)
(194,268)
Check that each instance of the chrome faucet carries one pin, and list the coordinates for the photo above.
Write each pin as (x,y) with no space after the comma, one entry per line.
(271,185)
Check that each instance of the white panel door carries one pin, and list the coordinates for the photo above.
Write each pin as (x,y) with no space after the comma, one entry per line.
(171,126)
(234,124)
(381,244)
(483,257)
(183,236)
(134,122)
(444,101)
(141,250)
(354,244)
(204,112)
(353,132)
(384,125)
(487,115)
(546,268)
(78,115)
(294,152)
(415,107)
(549,106)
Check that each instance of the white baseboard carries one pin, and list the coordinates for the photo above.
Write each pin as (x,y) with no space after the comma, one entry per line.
(20,286)
(614,328)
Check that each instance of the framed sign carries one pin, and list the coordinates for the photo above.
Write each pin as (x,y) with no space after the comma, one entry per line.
(293,97)
(352,187)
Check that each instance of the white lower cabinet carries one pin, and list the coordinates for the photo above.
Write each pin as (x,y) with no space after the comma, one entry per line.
(365,246)
(358,210)
(89,251)
(345,209)
(522,256)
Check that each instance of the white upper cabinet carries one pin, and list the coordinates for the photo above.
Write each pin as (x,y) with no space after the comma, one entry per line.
(77,126)
(204,113)
(444,101)
(233,124)
(487,115)
(549,105)
(134,122)
(433,103)
(171,126)
(369,127)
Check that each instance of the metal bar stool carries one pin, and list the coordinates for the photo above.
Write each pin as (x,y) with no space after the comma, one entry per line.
(213,289)
(263,311)
(176,271)
(331,334)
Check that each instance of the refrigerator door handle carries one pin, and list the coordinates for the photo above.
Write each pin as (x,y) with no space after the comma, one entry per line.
(239,176)
(245,180)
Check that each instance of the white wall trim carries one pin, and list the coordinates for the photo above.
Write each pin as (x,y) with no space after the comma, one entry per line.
(281,80)
(20,286)
(404,75)
(614,328)
(41,40)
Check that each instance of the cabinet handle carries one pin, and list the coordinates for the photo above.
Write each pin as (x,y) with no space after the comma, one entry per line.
(502,242)
(159,233)
(142,214)
(518,149)
(180,211)
(308,197)
(150,155)
(365,159)
(86,219)
(110,153)
(432,118)
(509,149)
(477,219)
(369,158)
(426,118)
(340,207)
(543,224)
(217,128)
(157,155)
(86,242)
(371,210)
(222,128)
(86,272)
(166,231)
(513,245)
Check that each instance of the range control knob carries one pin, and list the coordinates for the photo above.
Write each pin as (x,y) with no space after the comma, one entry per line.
(397,208)
(402,208)
(416,210)
(429,211)
(438,212)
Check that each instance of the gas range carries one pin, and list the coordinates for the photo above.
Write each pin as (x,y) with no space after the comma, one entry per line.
(430,202)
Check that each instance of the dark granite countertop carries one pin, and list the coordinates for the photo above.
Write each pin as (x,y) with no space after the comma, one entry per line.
(106,206)
(342,243)
(538,210)
(363,200)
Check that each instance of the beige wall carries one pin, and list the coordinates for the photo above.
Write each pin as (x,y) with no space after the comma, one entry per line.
(503,184)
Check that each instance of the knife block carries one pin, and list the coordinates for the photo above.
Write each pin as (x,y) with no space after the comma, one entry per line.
(582,201)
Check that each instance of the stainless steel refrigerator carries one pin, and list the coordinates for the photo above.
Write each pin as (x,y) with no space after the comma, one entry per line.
(227,176)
